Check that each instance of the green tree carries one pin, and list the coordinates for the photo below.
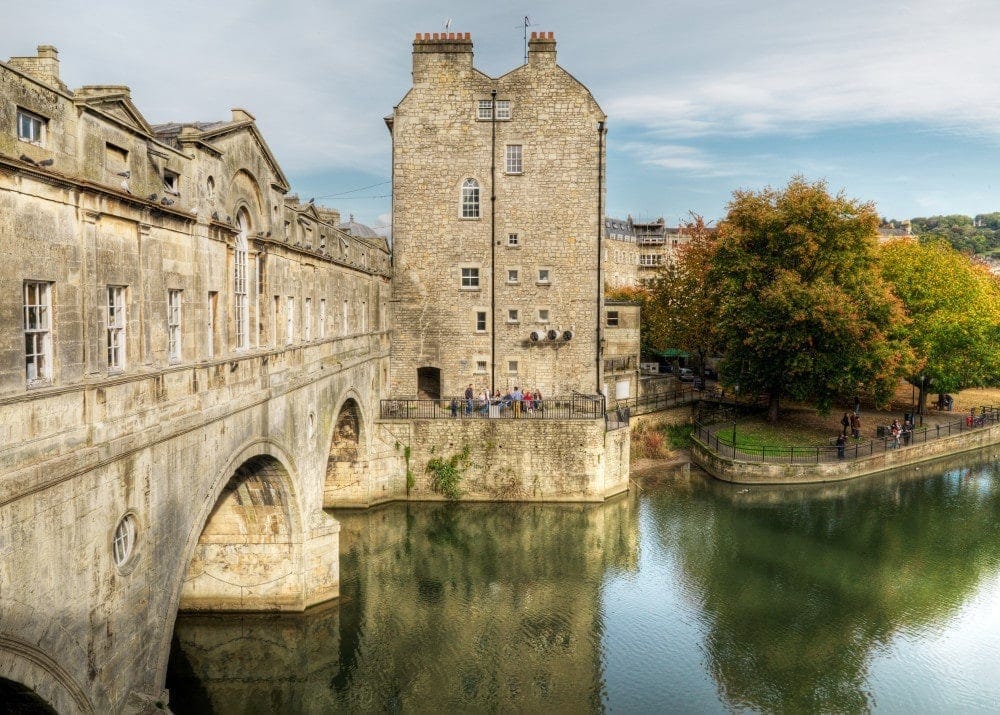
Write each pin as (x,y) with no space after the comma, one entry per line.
(681,297)
(802,309)
(954,309)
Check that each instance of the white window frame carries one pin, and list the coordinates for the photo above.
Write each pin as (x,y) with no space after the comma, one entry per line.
(543,315)
(481,316)
(241,314)
(171,182)
(544,276)
(470,199)
(513,276)
(503,110)
(36,126)
(174,325)
(513,240)
(37,332)
(116,322)
(484,110)
(469,278)
(124,540)
(514,159)
(512,366)
(482,365)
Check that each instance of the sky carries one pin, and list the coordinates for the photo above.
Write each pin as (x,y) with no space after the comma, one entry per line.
(895,102)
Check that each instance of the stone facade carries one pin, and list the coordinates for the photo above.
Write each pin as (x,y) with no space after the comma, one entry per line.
(635,250)
(530,259)
(621,352)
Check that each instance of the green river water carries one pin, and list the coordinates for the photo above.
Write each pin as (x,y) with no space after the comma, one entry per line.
(688,595)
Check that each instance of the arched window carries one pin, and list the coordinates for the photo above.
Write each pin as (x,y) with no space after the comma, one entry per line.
(240,312)
(470,198)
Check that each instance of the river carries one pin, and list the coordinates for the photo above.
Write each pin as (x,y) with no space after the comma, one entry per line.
(689,595)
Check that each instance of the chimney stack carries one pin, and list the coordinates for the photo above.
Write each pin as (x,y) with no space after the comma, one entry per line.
(43,67)
(542,49)
(440,53)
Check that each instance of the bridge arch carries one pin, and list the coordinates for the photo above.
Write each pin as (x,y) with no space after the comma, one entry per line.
(246,554)
(35,682)
(347,442)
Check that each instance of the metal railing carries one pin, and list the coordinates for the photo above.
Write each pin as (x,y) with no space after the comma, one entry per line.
(575,407)
(718,438)
(654,403)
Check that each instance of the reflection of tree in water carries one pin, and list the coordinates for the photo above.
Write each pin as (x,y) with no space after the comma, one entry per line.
(444,607)
(798,593)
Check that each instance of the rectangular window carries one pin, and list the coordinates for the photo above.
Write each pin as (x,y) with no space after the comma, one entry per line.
(513,164)
(470,278)
(485,111)
(503,109)
(543,315)
(612,318)
(171,182)
(37,332)
(115,156)
(31,127)
(543,275)
(322,318)
(307,320)
(173,326)
(513,275)
(277,318)
(480,321)
(512,367)
(344,328)
(512,315)
(213,307)
(513,240)
(480,366)
(116,327)
(289,320)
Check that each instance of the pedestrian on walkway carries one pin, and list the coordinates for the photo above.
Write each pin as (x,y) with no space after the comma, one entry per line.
(469,395)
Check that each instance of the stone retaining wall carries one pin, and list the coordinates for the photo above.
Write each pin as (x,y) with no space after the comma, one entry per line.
(772,473)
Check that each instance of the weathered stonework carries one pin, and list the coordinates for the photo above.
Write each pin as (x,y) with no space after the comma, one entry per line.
(552,205)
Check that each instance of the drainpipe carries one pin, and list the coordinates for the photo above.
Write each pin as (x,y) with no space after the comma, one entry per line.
(600,225)
(493,242)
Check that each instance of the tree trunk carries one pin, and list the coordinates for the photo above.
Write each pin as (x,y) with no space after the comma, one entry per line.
(772,406)
(922,401)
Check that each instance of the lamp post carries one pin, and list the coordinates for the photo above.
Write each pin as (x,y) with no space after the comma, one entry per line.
(920,406)
(736,400)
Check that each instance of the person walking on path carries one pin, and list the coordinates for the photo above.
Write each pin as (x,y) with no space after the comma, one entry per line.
(855,426)
(845,422)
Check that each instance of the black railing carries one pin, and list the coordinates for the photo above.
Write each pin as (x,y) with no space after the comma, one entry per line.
(654,403)
(719,439)
(576,407)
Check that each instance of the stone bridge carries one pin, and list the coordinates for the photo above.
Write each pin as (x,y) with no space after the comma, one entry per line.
(219,471)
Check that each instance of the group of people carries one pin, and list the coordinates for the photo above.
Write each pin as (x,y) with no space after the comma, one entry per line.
(852,421)
(519,402)
(897,431)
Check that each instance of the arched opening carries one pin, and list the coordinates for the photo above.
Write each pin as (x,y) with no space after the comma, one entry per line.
(248,555)
(343,470)
(240,292)
(19,699)
(429,383)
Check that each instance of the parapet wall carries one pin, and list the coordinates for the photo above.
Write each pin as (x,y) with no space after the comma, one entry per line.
(774,473)
(514,460)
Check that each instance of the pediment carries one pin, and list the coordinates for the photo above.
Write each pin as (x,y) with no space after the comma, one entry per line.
(213,135)
(121,108)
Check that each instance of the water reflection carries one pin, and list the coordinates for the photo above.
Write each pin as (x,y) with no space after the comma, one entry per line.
(800,587)
(694,596)
(481,607)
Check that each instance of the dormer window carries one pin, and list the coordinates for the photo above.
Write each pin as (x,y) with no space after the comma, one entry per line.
(171,182)
(31,127)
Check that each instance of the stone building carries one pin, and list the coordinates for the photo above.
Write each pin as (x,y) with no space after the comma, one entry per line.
(498,188)
(635,250)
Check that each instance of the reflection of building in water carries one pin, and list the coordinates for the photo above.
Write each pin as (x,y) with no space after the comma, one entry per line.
(483,607)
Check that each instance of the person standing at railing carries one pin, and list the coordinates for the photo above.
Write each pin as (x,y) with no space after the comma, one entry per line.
(537,400)
(855,420)
(468,399)
(894,430)
(841,443)
(484,402)
(907,432)
(517,398)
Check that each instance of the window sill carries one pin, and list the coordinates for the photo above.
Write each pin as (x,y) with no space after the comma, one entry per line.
(513,173)
(39,383)
(543,283)
(470,218)
(464,289)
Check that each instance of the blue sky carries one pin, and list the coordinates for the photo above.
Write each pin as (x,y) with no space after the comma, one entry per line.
(893,102)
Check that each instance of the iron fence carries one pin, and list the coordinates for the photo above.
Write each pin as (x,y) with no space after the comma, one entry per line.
(654,403)
(719,439)
(575,407)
